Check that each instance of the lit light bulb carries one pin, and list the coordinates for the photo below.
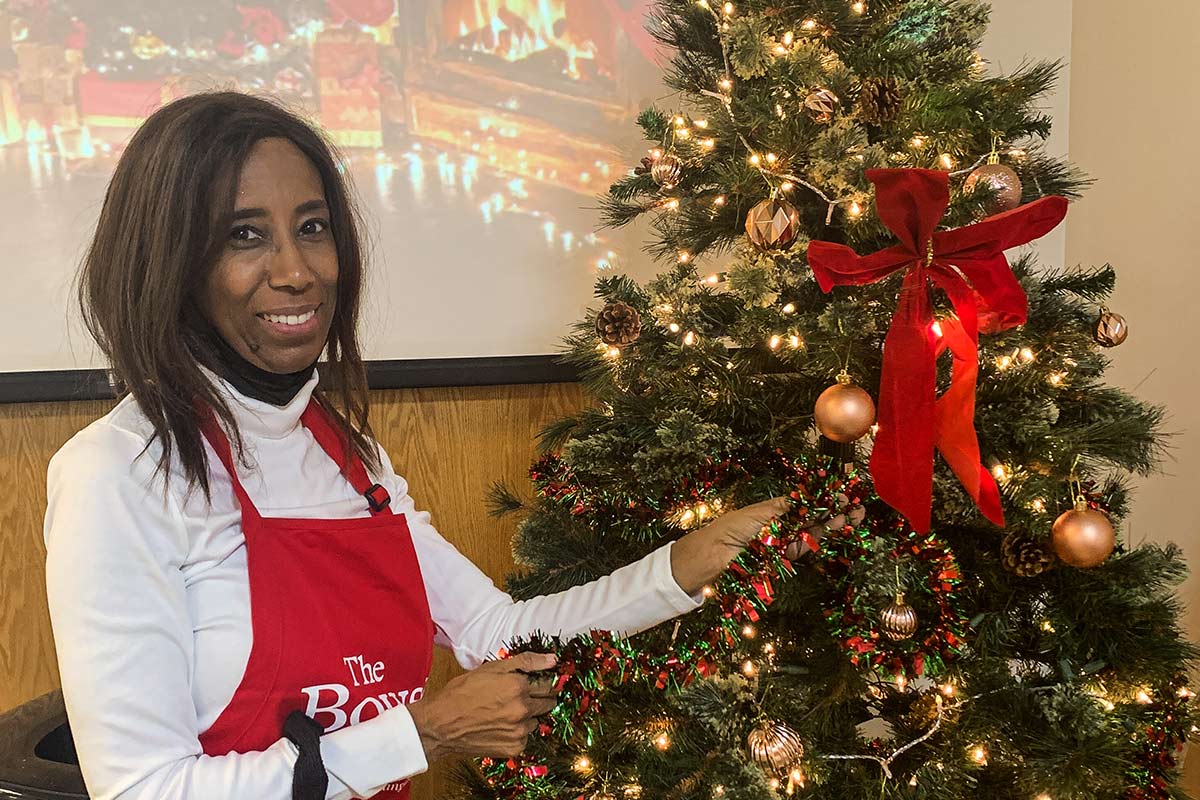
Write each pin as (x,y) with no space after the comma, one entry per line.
(728,9)
(1047,626)
(979,754)
(1038,505)
(583,764)
(795,341)
(656,154)
(707,591)
(755,159)
(912,781)
(947,689)
(708,144)
(1043,796)
(1026,355)
(901,682)
(917,141)
(672,205)
(702,510)
(718,790)
(719,200)
(947,161)
(687,516)
(684,256)
(774,784)
(680,122)
(788,38)
(772,158)
(1000,472)
(1185,693)
(858,7)
(1056,378)
(1107,704)
(780,50)
(662,741)
(749,632)
(1004,362)
(774,342)
(769,648)
(790,308)
(1144,697)
(726,84)
(936,327)
(700,123)
(673,327)
(683,133)
(855,209)
(787,186)
(809,24)
(613,352)
(748,668)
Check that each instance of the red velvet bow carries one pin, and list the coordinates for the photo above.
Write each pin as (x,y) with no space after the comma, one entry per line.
(969,265)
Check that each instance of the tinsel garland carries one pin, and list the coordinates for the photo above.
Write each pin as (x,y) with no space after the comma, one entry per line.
(1166,723)
(853,620)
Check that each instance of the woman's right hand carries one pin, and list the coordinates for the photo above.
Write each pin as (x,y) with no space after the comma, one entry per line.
(489,711)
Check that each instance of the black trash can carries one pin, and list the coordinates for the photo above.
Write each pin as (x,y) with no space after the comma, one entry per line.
(37,753)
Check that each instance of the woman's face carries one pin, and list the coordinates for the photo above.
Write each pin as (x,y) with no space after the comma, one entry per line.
(272,293)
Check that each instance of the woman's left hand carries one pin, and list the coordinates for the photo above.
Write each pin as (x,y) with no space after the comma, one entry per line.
(704,553)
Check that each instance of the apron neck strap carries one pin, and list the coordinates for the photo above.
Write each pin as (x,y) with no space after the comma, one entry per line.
(323,427)
(328,435)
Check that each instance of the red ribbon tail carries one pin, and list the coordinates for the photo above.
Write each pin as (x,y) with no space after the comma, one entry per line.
(902,460)
(955,415)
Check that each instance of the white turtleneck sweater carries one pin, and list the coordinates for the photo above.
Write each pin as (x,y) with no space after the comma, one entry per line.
(150,603)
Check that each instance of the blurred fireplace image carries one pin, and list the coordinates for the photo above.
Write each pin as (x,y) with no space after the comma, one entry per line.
(537,88)
(476,131)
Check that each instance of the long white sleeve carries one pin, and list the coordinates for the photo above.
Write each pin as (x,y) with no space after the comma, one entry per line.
(476,619)
(118,604)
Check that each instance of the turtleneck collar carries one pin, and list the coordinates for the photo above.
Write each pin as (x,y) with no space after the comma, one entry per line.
(258,418)
(251,380)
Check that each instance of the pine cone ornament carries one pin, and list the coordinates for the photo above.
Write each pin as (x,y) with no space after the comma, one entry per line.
(618,324)
(880,100)
(1026,555)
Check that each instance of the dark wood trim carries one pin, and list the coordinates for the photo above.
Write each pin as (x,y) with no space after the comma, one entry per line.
(92,384)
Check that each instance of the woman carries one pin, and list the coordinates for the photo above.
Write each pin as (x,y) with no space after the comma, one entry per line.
(229,545)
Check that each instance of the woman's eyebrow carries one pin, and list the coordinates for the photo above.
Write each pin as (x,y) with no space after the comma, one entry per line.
(249,213)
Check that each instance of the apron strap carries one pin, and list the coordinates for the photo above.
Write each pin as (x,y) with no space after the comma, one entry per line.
(328,433)
(220,443)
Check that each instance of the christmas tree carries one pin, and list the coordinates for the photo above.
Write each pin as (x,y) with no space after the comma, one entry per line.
(969,626)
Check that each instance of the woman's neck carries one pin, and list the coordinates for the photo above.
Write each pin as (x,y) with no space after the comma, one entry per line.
(253,381)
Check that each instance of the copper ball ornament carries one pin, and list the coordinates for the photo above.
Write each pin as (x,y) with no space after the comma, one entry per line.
(1111,329)
(1083,537)
(773,224)
(667,171)
(1004,183)
(775,746)
(844,412)
(898,620)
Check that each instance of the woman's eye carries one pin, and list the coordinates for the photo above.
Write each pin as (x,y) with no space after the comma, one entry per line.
(314,226)
(245,233)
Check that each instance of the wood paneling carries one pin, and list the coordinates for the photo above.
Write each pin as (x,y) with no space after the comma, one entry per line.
(450,443)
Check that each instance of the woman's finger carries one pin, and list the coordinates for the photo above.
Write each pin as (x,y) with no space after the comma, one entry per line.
(543,687)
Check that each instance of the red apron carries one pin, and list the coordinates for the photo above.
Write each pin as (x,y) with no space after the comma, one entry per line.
(341,623)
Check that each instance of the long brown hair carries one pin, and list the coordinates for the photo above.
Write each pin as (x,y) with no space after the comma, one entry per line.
(165,217)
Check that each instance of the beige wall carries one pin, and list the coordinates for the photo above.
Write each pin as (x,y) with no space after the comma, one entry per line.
(1135,112)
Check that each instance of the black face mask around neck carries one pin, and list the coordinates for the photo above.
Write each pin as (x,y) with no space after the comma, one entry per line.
(253,381)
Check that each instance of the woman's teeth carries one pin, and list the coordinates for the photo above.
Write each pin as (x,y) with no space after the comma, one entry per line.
(289,319)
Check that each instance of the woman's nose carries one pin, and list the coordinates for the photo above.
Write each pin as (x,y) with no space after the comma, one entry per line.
(288,268)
